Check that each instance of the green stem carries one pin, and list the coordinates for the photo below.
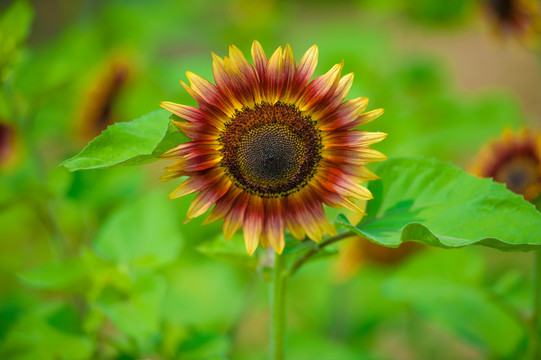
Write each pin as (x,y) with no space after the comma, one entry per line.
(534,335)
(278,308)
(297,265)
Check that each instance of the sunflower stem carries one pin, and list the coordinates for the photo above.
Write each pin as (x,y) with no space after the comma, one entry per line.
(277,292)
(534,335)
(299,263)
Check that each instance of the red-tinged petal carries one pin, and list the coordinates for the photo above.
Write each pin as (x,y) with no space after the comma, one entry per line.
(354,156)
(370,138)
(210,93)
(188,147)
(205,199)
(200,147)
(253,223)
(336,181)
(370,155)
(264,241)
(195,163)
(192,114)
(343,115)
(334,139)
(275,78)
(170,175)
(248,72)
(293,226)
(197,182)
(333,199)
(351,139)
(240,85)
(213,111)
(223,206)
(320,88)
(197,131)
(275,224)
(288,74)
(365,118)
(344,85)
(297,205)
(260,60)
(360,173)
(234,218)
(316,209)
(305,70)
(223,81)
(332,101)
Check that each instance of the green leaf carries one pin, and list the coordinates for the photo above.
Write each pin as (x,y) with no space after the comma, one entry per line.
(136,142)
(14,28)
(56,276)
(143,233)
(37,336)
(437,204)
(446,288)
(138,312)
(193,300)
(233,251)
(16,20)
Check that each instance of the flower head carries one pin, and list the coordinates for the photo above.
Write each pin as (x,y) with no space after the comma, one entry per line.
(269,147)
(99,104)
(519,17)
(515,160)
(7,144)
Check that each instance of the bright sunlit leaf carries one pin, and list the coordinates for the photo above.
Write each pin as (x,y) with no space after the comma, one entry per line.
(136,142)
(435,203)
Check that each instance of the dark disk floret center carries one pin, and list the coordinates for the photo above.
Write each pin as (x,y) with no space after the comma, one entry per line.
(270,150)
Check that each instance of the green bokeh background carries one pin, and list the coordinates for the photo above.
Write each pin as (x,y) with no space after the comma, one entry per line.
(98,264)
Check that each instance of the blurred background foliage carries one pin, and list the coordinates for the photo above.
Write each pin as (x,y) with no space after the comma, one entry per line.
(98,264)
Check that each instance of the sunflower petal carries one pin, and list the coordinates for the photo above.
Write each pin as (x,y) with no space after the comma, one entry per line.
(275,224)
(253,223)
(205,199)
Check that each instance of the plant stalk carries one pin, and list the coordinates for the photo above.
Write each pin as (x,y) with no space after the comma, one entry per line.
(278,288)
(534,335)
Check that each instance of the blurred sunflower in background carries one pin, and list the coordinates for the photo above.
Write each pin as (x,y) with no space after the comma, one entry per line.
(270,147)
(359,251)
(7,144)
(98,108)
(521,18)
(515,160)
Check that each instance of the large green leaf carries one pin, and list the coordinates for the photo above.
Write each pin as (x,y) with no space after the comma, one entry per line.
(136,142)
(143,233)
(446,288)
(435,203)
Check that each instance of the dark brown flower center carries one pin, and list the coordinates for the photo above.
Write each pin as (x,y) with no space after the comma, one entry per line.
(502,8)
(519,174)
(270,150)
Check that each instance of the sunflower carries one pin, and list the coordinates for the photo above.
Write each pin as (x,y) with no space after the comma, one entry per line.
(515,160)
(520,17)
(269,147)
(359,251)
(7,144)
(99,103)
